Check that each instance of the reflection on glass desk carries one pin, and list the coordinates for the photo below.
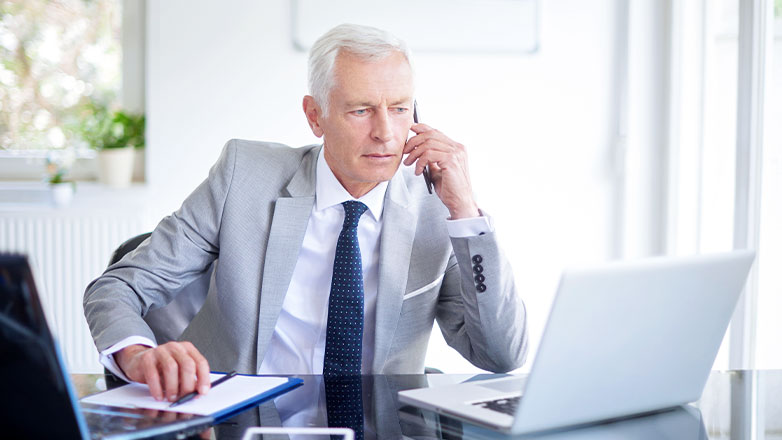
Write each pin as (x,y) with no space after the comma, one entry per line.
(735,405)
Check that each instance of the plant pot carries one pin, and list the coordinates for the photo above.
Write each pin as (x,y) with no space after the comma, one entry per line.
(62,193)
(115,166)
(139,163)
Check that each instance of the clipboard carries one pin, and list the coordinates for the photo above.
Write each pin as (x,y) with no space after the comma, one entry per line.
(234,396)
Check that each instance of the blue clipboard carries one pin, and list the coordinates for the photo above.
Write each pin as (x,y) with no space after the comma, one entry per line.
(293,382)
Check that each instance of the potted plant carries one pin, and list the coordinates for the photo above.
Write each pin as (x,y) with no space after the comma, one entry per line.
(115,134)
(58,164)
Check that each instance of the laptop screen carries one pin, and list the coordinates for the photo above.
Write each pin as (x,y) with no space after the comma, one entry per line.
(36,397)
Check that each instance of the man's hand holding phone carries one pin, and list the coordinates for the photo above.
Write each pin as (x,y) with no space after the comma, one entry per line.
(447,162)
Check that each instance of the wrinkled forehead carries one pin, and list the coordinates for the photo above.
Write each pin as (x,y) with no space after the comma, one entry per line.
(357,78)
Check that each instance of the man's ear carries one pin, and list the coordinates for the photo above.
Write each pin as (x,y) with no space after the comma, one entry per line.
(313,113)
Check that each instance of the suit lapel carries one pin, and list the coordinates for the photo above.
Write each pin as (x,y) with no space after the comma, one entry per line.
(289,224)
(396,244)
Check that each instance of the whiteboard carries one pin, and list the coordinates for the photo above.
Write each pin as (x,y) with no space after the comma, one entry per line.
(455,26)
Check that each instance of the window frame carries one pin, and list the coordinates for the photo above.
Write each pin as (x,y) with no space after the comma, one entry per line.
(685,166)
(29,165)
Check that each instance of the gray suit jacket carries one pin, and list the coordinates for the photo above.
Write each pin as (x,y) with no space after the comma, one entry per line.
(252,213)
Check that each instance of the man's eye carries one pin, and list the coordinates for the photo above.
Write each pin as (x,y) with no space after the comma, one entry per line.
(360,112)
(400,109)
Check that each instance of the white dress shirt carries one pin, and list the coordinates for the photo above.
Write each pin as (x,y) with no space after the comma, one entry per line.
(298,343)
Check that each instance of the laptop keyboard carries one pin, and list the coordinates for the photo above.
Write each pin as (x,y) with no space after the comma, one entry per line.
(506,405)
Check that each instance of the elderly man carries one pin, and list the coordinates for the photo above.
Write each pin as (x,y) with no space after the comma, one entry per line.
(333,258)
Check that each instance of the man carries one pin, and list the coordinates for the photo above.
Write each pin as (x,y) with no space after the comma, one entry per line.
(332,259)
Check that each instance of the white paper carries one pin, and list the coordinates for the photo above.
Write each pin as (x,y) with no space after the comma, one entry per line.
(229,393)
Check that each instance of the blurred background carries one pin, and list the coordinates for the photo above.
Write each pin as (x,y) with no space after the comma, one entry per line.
(596,131)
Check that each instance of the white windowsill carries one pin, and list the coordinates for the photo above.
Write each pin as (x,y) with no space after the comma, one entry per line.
(88,197)
(30,166)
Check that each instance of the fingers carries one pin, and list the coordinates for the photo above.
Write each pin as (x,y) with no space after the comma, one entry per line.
(434,149)
(420,128)
(435,159)
(150,374)
(447,162)
(202,368)
(173,370)
(423,134)
(185,371)
(169,372)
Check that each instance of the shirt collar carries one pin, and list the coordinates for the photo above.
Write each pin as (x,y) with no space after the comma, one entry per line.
(329,192)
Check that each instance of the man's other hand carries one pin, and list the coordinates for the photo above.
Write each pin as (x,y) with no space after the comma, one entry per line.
(447,162)
(170,370)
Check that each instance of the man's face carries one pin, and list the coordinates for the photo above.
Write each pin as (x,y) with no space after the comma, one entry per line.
(369,117)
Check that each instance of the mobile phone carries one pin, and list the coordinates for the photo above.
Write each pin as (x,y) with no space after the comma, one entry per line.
(427,176)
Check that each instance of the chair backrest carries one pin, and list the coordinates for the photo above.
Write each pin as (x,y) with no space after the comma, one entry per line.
(169,321)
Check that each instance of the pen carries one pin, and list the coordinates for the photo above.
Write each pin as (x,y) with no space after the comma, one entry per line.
(189,396)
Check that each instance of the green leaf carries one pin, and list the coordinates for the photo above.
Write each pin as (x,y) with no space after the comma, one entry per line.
(101,128)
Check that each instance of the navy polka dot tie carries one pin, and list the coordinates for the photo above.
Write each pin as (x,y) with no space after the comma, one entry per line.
(345,328)
(346,302)
(344,405)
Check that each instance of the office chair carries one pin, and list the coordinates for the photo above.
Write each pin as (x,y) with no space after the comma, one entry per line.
(168,322)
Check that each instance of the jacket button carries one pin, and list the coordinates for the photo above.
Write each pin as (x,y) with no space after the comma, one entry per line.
(480,278)
(477,268)
(477,259)
(481,287)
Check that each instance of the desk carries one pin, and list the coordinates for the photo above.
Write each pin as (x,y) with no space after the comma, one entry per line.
(734,405)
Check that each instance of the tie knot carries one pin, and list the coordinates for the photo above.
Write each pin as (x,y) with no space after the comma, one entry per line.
(353,211)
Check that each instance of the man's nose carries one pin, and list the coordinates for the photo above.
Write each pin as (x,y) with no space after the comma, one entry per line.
(381,127)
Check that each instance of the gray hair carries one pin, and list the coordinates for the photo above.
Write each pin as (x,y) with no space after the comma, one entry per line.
(366,42)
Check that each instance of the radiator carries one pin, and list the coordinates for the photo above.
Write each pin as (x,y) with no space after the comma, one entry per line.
(68,248)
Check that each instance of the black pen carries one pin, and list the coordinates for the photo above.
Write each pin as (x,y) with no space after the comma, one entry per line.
(189,396)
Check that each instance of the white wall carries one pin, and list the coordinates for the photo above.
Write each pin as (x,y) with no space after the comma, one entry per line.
(539,128)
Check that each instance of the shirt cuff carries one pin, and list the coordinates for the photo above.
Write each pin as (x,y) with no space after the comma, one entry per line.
(470,227)
(107,355)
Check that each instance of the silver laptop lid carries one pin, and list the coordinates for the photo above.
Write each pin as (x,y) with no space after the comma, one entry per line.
(631,337)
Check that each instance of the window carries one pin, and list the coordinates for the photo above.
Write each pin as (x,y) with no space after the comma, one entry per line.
(769,284)
(726,156)
(57,56)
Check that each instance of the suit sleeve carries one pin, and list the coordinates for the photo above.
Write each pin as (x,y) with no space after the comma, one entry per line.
(180,249)
(480,313)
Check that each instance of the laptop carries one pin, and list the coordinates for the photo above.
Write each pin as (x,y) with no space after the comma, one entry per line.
(623,339)
(38,399)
